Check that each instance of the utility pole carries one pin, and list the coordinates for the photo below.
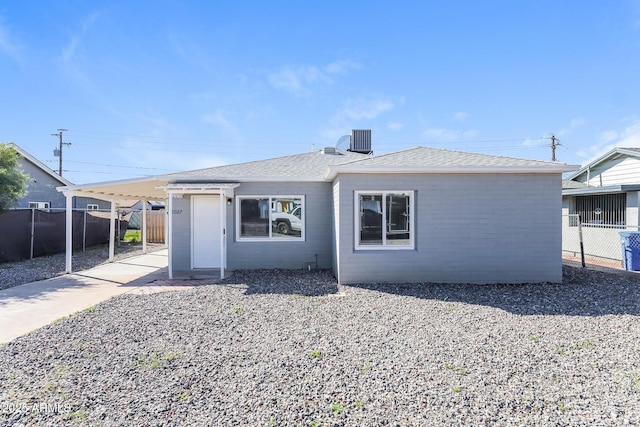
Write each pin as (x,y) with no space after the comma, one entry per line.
(58,152)
(554,143)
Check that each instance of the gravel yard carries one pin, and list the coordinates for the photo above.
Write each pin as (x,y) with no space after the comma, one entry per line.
(294,348)
(40,268)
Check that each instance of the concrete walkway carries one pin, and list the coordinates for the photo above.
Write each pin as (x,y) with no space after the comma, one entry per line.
(30,306)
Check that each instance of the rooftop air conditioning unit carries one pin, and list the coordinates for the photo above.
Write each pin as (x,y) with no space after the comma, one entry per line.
(361,141)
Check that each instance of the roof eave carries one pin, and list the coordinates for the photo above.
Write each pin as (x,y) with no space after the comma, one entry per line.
(600,190)
(191,178)
(552,168)
(602,159)
(39,164)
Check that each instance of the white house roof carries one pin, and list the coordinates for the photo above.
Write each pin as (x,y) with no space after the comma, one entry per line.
(46,169)
(616,152)
(436,160)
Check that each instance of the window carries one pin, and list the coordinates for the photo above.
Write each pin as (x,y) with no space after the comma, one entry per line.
(45,206)
(604,209)
(270,217)
(91,207)
(383,220)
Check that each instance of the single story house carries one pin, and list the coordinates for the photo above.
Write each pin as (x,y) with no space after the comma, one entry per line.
(605,194)
(416,215)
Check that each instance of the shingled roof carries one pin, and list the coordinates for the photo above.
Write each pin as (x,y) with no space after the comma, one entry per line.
(311,166)
(318,166)
(437,160)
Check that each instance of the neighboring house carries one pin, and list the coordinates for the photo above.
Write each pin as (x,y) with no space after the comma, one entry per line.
(417,215)
(42,184)
(134,208)
(605,195)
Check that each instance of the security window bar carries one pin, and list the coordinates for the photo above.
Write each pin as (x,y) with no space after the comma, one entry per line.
(384,220)
(602,209)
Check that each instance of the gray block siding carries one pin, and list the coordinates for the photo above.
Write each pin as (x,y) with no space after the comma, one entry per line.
(286,254)
(486,228)
(41,187)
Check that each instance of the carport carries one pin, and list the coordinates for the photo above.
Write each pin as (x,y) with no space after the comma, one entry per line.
(143,189)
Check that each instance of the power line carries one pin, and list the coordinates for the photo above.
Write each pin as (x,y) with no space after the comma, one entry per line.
(114,166)
(107,173)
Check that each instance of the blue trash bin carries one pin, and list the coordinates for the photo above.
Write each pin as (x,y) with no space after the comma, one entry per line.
(630,250)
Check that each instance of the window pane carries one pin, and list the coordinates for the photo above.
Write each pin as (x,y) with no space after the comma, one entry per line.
(254,217)
(370,219)
(397,218)
(286,217)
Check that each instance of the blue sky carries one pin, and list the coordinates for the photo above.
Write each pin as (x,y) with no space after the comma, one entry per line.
(152,87)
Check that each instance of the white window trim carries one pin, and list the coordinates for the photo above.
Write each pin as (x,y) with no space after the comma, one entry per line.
(383,246)
(92,207)
(270,238)
(43,206)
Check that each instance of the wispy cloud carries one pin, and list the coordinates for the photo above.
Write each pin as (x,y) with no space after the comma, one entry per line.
(448,135)
(69,50)
(300,79)
(221,121)
(395,125)
(629,136)
(460,116)
(575,123)
(364,109)
(8,44)
(354,112)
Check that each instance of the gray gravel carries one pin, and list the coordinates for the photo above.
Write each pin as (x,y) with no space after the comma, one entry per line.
(45,267)
(293,348)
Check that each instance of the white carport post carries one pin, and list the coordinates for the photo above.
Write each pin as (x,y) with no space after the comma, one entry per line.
(168,239)
(112,231)
(144,226)
(223,221)
(69,233)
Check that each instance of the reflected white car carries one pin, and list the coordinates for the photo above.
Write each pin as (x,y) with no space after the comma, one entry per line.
(287,223)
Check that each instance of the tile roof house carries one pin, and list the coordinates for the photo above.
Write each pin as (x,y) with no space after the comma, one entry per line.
(416,215)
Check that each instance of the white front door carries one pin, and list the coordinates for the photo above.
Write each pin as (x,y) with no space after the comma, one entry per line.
(206,231)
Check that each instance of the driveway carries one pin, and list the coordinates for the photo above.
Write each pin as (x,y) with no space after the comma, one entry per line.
(30,306)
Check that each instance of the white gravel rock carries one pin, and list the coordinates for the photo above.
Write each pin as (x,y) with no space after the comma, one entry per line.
(294,348)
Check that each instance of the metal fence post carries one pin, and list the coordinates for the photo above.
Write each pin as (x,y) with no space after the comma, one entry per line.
(33,230)
(581,242)
(84,232)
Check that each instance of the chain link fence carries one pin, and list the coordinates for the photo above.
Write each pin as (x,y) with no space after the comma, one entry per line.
(593,243)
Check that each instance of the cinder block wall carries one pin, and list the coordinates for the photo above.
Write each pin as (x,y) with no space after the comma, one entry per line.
(469,228)
(285,254)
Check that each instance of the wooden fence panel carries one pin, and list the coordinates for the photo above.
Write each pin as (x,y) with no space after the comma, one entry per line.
(155,226)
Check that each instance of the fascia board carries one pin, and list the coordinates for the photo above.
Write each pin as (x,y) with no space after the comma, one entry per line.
(600,190)
(560,168)
(44,168)
(204,178)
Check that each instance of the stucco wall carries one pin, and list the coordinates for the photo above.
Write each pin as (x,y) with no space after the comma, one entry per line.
(485,228)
